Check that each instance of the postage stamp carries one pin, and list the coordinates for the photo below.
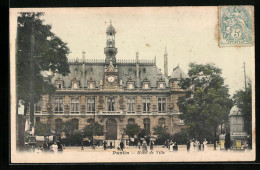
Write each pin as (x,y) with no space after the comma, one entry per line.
(236,25)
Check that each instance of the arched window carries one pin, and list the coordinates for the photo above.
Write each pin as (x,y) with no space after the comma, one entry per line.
(147,124)
(161,122)
(58,125)
(75,124)
(131,121)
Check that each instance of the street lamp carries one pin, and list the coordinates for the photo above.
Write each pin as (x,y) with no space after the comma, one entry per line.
(82,148)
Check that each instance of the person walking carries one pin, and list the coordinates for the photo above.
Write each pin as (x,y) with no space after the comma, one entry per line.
(205,145)
(144,146)
(105,145)
(139,145)
(192,145)
(60,147)
(151,145)
(122,146)
(55,147)
(188,145)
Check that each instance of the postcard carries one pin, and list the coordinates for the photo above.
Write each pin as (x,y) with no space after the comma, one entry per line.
(132,84)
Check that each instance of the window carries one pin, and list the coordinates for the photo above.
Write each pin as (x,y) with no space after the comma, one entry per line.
(74,105)
(58,105)
(131,121)
(146,86)
(161,105)
(130,105)
(131,86)
(161,85)
(147,124)
(161,122)
(90,105)
(75,124)
(181,121)
(38,108)
(91,85)
(75,85)
(111,104)
(146,105)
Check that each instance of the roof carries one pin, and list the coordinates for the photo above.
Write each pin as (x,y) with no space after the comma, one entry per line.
(234,111)
(177,73)
(125,71)
(110,29)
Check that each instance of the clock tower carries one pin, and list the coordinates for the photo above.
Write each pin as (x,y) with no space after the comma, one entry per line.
(110,49)
(111,76)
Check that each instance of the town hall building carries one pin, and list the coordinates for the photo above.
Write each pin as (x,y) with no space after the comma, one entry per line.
(114,93)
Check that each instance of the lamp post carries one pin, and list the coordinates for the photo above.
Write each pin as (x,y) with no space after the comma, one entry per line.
(82,148)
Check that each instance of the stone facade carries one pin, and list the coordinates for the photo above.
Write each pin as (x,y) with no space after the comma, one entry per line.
(101,90)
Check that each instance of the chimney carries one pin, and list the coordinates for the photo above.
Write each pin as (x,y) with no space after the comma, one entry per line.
(137,64)
(83,68)
(166,63)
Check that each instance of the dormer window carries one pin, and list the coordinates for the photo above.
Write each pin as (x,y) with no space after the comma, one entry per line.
(146,83)
(59,84)
(161,85)
(130,86)
(75,83)
(91,83)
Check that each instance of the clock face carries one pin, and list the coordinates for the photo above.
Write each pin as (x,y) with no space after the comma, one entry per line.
(111,79)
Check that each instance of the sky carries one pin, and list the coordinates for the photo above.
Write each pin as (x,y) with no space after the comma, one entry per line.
(190,34)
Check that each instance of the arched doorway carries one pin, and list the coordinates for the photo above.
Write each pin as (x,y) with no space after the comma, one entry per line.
(111,128)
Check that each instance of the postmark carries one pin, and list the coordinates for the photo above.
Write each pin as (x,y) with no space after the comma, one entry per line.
(236,26)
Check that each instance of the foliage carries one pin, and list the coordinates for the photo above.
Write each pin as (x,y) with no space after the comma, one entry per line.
(88,130)
(132,129)
(181,137)
(208,104)
(142,133)
(67,127)
(243,100)
(162,134)
(42,129)
(50,53)
(74,139)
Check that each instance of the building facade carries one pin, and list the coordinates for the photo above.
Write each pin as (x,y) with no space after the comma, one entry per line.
(114,93)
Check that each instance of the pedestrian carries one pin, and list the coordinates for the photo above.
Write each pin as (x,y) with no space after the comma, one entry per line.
(205,145)
(139,145)
(144,146)
(45,146)
(105,145)
(151,145)
(171,146)
(55,147)
(122,146)
(188,145)
(175,147)
(60,147)
(111,146)
(192,145)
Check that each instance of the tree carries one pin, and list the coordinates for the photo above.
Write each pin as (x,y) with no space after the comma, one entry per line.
(132,129)
(50,53)
(42,129)
(88,130)
(207,105)
(243,100)
(162,134)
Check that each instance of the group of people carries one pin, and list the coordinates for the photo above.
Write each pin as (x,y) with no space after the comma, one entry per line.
(195,145)
(144,145)
(171,145)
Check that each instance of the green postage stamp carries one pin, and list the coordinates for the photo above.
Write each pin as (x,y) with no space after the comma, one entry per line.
(236,26)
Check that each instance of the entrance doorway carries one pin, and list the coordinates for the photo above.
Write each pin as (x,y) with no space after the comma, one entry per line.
(111,128)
